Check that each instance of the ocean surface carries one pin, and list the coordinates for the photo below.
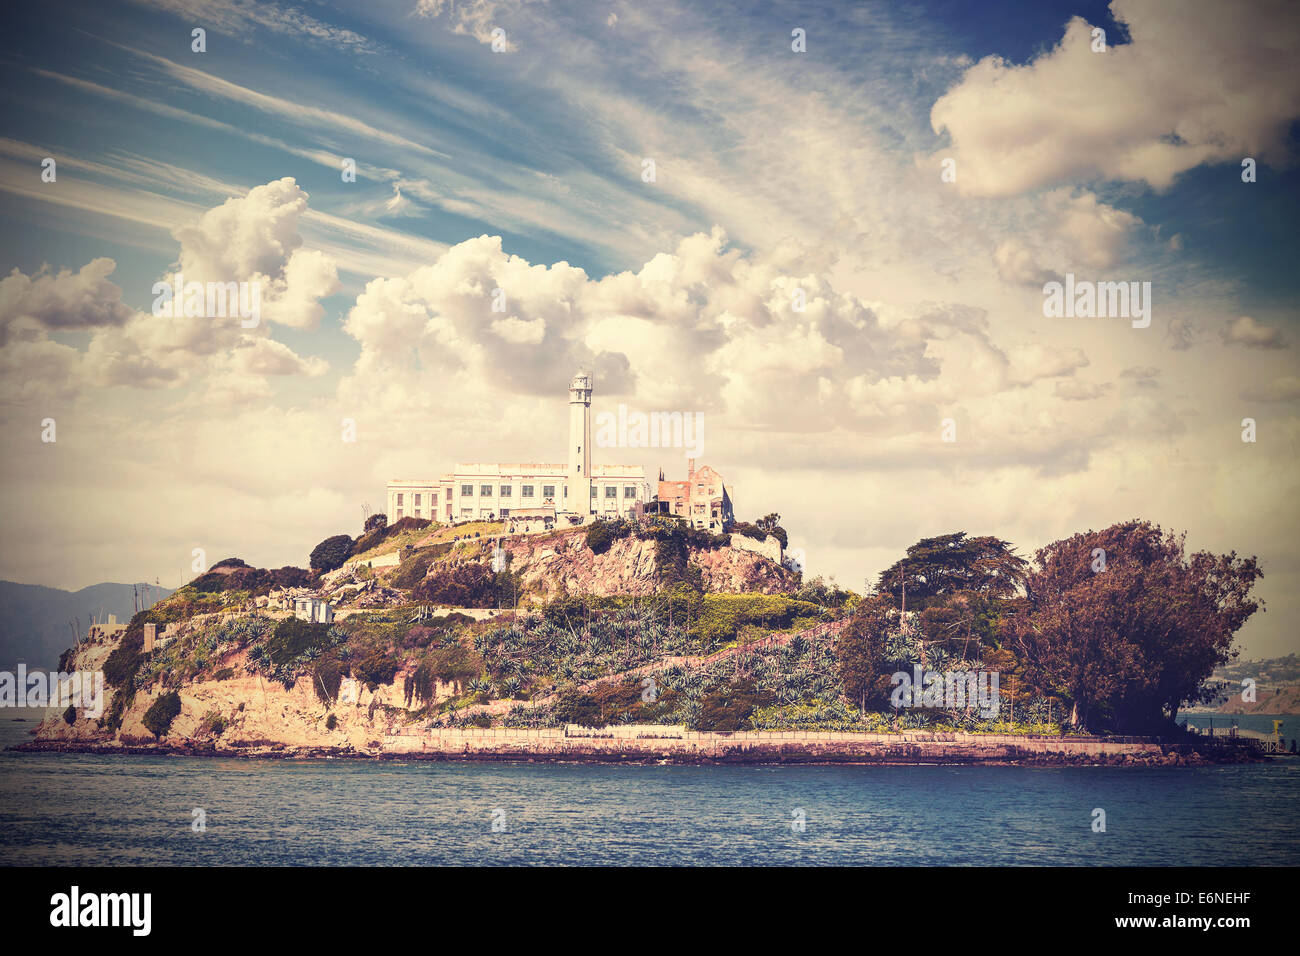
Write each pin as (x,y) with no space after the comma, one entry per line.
(112,810)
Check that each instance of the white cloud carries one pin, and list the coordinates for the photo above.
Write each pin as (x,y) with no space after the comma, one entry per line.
(1245,331)
(1199,82)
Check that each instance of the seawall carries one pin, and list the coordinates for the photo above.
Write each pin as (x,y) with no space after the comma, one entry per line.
(616,745)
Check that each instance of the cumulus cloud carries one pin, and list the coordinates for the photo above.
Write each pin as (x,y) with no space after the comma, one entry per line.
(253,239)
(1075,232)
(1199,82)
(63,300)
(1246,332)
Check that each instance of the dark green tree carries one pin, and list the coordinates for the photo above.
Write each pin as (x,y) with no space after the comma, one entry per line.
(940,567)
(860,649)
(158,718)
(331,553)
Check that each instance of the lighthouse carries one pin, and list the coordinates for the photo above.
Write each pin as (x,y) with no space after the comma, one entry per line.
(578,478)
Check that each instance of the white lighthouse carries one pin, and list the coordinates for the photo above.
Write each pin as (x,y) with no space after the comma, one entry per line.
(578,478)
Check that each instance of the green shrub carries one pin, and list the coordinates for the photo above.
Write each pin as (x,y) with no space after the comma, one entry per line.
(611,703)
(213,724)
(466,585)
(599,537)
(327,676)
(331,553)
(292,638)
(412,571)
(376,667)
(70,715)
(331,722)
(122,698)
(723,615)
(729,708)
(124,660)
(158,718)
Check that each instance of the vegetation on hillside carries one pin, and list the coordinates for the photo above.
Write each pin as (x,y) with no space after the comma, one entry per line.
(1115,644)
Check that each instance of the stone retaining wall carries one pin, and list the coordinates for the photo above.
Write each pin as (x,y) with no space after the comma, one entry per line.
(678,745)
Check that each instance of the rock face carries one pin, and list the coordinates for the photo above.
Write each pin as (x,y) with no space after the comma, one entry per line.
(558,563)
(258,714)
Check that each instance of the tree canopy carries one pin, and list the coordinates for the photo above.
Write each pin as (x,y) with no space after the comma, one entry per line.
(945,565)
(1127,625)
(331,553)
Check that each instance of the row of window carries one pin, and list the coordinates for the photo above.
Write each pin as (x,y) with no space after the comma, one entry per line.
(433,500)
(526,491)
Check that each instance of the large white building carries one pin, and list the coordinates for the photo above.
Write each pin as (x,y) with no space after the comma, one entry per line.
(546,491)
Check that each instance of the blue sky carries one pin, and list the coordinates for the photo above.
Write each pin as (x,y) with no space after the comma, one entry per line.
(392,75)
(775,170)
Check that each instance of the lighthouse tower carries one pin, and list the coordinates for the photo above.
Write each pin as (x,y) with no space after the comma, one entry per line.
(579,473)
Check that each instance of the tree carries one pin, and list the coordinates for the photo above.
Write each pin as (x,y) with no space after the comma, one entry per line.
(331,553)
(942,566)
(376,522)
(860,650)
(158,718)
(771,524)
(1127,625)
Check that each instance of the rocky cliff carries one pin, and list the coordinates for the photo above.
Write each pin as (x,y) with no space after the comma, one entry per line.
(553,564)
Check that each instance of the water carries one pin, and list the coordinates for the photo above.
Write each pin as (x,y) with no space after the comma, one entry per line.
(102,810)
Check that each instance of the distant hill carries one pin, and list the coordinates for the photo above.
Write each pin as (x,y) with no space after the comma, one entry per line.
(34,619)
(1279,700)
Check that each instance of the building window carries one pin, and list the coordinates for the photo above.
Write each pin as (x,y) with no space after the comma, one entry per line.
(526,491)
(467,512)
(485,491)
(548,491)
(399,499)
(506,491)
(611,491)
(467,491)
(448,490)
(505,512)
(629,491)
(593,491)
(417,502)
(417,512)
(399,513)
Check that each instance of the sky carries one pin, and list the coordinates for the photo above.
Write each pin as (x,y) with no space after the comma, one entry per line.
(825,227)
